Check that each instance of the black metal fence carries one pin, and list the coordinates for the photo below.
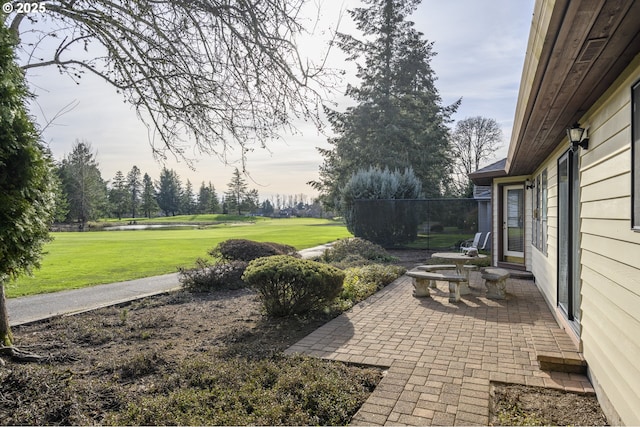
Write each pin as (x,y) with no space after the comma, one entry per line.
(426,223)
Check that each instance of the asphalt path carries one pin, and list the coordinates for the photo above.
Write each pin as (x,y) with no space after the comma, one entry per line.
(43,306)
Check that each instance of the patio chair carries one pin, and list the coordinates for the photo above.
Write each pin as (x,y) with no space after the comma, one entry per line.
(469,244)
(486,245)
(476,245)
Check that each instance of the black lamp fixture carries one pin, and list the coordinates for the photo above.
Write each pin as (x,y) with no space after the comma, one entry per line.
(578,137)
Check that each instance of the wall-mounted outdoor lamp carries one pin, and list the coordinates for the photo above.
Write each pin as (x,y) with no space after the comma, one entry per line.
(578,137)
(528,184)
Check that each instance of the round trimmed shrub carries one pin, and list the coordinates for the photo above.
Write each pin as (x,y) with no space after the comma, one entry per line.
(289,285)
(248,250)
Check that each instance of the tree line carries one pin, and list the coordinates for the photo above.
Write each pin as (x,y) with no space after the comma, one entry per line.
(83,195)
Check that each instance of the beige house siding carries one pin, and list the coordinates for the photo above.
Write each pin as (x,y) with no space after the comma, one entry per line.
(609,251)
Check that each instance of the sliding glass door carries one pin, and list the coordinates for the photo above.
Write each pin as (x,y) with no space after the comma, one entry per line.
(568,238)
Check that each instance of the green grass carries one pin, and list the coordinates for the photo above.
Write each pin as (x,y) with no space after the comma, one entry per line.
(76,260)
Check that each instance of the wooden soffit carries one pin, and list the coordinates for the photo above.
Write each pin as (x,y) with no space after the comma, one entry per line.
(576,49)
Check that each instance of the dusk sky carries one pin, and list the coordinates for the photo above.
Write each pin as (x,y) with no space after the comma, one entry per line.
(480,49)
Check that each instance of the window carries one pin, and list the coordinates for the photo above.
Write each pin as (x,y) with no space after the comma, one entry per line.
(635,156)
(539,235)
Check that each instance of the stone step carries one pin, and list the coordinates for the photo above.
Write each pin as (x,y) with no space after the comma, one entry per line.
(570,362)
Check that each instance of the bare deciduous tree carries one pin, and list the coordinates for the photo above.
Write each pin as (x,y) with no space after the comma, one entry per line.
(474,140)
(214,74)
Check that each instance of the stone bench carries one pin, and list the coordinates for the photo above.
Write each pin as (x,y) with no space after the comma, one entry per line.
(436,267)
(423,280)
(431,268)
(495,281)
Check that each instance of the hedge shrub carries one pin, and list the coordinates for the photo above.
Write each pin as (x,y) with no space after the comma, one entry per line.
(248,250)
(362,282)
(288,285)
(355,248)
(208,277)
(377,205)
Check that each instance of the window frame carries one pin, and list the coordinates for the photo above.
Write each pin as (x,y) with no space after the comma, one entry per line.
(540,203)
(635,156)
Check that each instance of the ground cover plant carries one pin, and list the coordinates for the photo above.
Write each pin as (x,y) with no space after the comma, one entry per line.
(183,358)
(75,260)
(364,281)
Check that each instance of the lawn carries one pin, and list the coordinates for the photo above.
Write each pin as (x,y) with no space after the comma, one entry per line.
(76,260)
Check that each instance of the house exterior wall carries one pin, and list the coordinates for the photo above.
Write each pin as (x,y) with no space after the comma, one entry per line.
(609,252)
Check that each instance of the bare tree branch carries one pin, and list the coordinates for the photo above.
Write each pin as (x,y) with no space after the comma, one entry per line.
(474,141)
(216,73)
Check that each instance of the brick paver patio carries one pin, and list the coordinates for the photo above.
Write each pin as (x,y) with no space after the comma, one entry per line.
(442,356)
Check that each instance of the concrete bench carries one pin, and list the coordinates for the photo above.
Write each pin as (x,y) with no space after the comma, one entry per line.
(423,280)
(495,279)
(464,287)
(436,267)
(432,268)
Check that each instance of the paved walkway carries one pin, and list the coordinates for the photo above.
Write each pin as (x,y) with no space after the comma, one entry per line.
(39,307)
(442,356)
(43,306)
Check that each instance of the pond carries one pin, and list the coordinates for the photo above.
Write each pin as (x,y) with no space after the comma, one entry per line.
(148,227)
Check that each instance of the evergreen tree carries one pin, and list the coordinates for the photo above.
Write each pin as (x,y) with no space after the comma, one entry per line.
(267,208)
(187,199)
(204,199)
(119,195)
(214,206)
(148,198)
(61,205)
(368,207)
(251,201)
(169,192)
(26,188)
(237,192)
(398,121)
(207,199)
(83,185)
(134,186)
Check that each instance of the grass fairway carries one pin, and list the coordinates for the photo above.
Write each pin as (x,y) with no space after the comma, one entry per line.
(76,260)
